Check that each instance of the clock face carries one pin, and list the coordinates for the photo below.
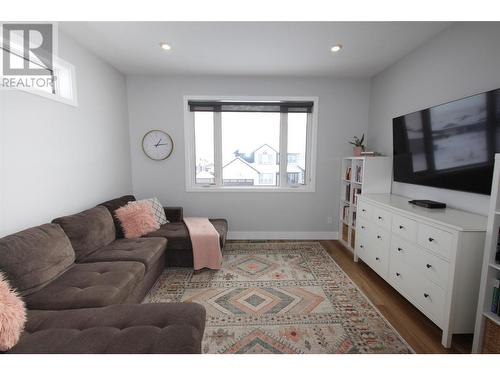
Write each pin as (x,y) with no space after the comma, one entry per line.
(157,145)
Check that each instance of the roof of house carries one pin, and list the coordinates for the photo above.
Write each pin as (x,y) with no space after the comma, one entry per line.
(243,161)
(265,144)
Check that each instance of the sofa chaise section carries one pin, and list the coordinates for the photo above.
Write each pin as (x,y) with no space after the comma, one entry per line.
(171,328)
(179,248)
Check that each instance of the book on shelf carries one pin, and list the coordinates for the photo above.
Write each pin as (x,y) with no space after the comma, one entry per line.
(495,297)
(345,213)
(353,218)
(348,174)
(355,192)
(357,173)
(497,254)
(370,153)
(348,193)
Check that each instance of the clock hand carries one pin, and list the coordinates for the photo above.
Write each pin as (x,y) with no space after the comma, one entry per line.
(161,144)
(156,145)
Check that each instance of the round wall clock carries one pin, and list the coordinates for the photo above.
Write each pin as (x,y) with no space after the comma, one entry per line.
(157,145)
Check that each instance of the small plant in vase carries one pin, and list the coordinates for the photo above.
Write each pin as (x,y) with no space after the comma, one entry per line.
(358,145)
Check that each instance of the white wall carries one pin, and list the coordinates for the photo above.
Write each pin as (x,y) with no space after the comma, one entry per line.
(56,159)
(462,60)
(157,102)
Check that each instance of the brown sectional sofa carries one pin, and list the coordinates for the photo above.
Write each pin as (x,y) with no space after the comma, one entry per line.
(82,283)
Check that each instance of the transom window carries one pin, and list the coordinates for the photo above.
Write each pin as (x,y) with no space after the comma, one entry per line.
(250,144)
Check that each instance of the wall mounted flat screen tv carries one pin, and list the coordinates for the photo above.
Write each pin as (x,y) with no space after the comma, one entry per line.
(450,146)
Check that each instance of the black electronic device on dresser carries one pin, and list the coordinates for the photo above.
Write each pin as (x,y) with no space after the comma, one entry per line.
(427,203)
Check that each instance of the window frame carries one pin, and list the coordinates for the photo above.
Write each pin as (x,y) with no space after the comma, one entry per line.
(311,148)
(59,65)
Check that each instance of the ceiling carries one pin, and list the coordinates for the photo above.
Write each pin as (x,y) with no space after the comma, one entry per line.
(253,48)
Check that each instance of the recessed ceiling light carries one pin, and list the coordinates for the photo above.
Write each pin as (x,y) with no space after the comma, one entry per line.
(336,48)
(165,46)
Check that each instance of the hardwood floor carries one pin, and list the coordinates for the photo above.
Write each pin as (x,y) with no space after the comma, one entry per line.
(422,335)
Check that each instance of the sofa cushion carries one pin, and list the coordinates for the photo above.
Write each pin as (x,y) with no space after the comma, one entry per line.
(89,285)
(144,250)
(149,328)
(115,204)
(34,257)
(88,230)
(178,235)
(137,219)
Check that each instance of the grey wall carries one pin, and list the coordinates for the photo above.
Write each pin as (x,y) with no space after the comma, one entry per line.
(156,102)
(462,60)
(56,159)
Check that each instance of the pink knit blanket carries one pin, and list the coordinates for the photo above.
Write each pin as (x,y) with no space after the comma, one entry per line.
(205,241)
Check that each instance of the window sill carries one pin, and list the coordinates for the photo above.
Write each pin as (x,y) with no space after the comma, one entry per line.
(234,189)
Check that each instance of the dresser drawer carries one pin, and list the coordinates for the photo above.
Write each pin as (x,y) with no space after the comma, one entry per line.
(377,249)
(363,227)
(432,299)
(382,217)
(378,261)
(365,210)
(434,268)
(427,264)
(426,295)
(380,238)
(435,239)
(404,227)
(362,238)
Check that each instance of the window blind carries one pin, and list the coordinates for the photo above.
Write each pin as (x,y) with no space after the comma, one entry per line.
(231,106)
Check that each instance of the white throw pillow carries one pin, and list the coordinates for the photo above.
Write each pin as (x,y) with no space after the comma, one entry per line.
(158,211)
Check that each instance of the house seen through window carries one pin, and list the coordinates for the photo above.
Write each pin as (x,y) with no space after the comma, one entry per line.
(239,144)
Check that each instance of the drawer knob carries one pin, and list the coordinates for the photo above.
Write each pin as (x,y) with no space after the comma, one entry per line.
(361,246)
(398,274)
(426,295)
(401,227)
(400,249)
(363,210)
(380,217)
(378,237)
(377,258)
(362,227)
(428,265)
(431,239)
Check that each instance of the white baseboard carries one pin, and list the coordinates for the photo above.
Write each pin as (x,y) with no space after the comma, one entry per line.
(243,235)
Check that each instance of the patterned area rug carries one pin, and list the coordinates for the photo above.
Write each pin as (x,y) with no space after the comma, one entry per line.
(288,297)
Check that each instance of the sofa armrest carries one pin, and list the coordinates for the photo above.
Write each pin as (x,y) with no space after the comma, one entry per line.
(174,214)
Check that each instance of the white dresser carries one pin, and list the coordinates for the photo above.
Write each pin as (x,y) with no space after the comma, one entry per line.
(432,257)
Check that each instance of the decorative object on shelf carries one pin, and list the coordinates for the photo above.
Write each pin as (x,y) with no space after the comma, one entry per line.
(370,153)
(358,145)
(491,342)
(157,145)
(487,330)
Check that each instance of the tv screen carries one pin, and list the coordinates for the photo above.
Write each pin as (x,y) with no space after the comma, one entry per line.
(450,146)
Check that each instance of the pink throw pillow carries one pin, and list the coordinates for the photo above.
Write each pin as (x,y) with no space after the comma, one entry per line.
(137,219)
(12,315)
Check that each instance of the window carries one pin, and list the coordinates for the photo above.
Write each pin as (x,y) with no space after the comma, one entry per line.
(239,144)
(60,85)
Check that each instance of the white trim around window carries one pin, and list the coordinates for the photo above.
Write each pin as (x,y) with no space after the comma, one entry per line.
(189,140)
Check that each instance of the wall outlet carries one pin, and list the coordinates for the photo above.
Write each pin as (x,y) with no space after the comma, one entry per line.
(329,219)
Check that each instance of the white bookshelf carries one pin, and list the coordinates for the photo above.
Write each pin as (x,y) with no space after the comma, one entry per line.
(491,269)
(374,176)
